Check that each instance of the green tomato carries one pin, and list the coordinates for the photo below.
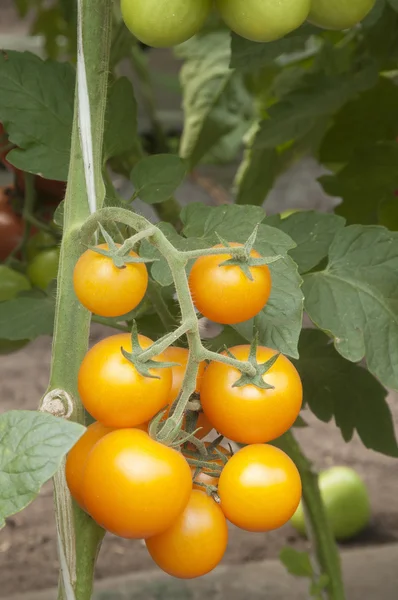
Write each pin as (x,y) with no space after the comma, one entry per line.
(346,502)
(11,283)
(163,23)
(43,268)
(42,240)
(263,20)
(339,14)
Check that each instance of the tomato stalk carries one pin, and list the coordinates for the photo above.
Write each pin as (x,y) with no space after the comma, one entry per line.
(318,525)
(78,536)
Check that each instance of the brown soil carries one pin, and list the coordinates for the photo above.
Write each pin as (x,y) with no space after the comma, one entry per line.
(28,555)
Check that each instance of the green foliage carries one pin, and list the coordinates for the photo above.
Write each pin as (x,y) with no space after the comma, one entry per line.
(27,317)
(354,298)
(32,445)
(156,178)
(335,387)
(120,120)
(297,563)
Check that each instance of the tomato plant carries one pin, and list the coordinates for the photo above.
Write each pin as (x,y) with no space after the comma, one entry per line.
(11,284)
(145,474)
(219,287)
(240,295)
(113,391)
(248,413)
(259,488)
(179,549)
(106,289)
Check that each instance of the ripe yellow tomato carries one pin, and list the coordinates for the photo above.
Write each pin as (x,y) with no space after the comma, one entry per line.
(224,294)
(113,391)
(133,486)
(250,414)
(259,488)
(77,458)
(263,20)
(195,543)
(107,290)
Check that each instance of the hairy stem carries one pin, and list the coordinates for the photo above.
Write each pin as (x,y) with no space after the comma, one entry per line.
(320,532)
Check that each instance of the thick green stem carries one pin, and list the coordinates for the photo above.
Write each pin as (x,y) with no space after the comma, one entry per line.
(320,531)
(79,536)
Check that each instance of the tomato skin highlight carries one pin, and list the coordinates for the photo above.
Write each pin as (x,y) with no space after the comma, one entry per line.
(223,293)
(259,488)
(164,23)
(77,459)
(113,391)
(134,486)
(106,290)
(249,414)
(195,543)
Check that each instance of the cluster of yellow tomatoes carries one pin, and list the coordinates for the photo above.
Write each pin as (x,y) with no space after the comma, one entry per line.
(136,487)
(162,23)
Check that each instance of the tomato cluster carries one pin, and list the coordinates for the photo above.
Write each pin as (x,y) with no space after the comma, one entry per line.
(161,23)
(178,497)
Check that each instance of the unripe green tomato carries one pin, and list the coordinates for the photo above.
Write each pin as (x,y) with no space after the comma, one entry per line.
(346,501)
(11,283)
(339,14)
(43,268)
(163,23)
(263,20)
(42,240)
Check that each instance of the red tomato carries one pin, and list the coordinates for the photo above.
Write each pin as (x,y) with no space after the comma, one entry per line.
(259,488)
(195,543)
(250,414)
(113,391)
(11,225)
(134,486)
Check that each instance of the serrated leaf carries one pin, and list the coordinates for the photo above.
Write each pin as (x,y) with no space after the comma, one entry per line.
(216,101)
(313,233)
(157,177)
(27,317)
(120,119)
(36,108)
(297,563)
(365,183)
(356,298)
(369,119)
(202,221)
(251,56)
(32,445)
(318,95)
(335,387)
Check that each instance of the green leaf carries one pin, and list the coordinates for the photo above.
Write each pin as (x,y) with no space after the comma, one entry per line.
(335,387)
(355,298)
(369,119)
(157,177)
(297,563)
(257,174)
(318,95)
(32,445)
(216,101)
(36,108)
(120,120)
(202,221)
(251,56)
(27,317)
(365,183)
(313,233)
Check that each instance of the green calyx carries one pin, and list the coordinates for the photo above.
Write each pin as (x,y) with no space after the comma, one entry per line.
(260,368)
(243,259)
(120,255)
(143,366)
